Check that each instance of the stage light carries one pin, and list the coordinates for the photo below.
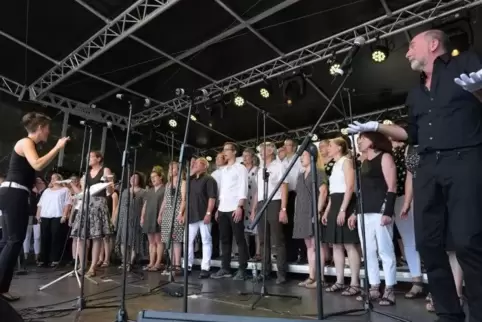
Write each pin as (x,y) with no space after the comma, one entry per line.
(380,53)
(209,158)
(333,68)
(387,122)
(293,89)
(193,118)
(264,93)
(455,53)
(172,122)
(314,138)
(344,131)
(210,124)
(239,101)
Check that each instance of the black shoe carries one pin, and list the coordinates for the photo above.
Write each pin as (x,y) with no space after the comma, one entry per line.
(240,275)
(204,274)
(222,273)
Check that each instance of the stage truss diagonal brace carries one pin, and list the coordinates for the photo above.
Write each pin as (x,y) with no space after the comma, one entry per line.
(11,87)
(133,18)
(409,17)
(327,127)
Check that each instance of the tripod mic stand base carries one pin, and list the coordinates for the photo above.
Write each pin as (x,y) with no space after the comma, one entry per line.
(79,306)
(263,292)
(367,310)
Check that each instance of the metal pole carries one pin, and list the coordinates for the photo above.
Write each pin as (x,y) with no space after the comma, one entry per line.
(103,140)
(65,127)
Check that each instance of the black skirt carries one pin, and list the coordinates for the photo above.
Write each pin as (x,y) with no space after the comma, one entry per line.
(334,234)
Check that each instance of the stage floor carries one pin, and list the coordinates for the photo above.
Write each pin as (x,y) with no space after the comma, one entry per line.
(216,297)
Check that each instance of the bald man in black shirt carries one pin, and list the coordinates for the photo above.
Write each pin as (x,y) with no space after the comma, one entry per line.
(445,121)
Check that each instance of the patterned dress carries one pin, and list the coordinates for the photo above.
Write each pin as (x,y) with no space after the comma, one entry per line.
(135,240)
(252,190)
(399,158)
(167,217)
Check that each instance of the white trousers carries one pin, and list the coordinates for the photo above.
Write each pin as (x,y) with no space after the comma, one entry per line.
(407,232)
(35,231)
(207,242)
(379,238)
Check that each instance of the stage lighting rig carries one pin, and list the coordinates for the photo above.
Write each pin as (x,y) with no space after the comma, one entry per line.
(293,89)
(209,158)
(333,68)
(455,52)
(172,121)
(265,90)
(238,100)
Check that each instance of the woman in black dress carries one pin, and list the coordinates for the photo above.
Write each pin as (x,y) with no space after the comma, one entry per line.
(150,227)
(340,219)
(379,191)
(15,193)
(304,219)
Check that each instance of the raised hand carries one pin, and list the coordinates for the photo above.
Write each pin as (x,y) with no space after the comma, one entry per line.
(471,82)
(62,142)
(357,127)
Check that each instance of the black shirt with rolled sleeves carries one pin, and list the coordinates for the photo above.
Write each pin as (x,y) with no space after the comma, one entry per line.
(202,189)
(446,117)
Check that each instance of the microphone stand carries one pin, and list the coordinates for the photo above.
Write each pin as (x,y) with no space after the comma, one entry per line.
(185,155)
(313,151)
(84,220)
(263,292)
(367,304)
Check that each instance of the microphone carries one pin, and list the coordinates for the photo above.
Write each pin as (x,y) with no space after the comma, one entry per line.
(133,98)
(357,44)
(91,123)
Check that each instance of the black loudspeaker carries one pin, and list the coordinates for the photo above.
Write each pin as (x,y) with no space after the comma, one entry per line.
(153,316)
(8,313)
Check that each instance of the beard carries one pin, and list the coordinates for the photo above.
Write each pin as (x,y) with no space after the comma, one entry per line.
(417,65)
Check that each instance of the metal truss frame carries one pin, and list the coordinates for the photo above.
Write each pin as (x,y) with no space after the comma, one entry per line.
(385,26)
(198,48)
(396,112)
(11,87)
(133,18)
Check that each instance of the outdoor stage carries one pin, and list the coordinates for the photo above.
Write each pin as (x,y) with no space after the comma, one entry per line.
(217,297)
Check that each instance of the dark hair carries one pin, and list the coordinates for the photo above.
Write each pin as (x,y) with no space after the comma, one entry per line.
(98,155)
(142,180)
(233,146)
(379,141)
(31,121)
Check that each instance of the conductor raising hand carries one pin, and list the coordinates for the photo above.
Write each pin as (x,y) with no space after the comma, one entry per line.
(15,192)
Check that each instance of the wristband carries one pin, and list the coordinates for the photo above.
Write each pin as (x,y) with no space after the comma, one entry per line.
(390,204)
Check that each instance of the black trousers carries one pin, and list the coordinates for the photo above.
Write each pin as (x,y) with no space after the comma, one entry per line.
(228,228)
(15,207)
(215,236)
(448,197)
(52,240)
(274,237)
(294,247)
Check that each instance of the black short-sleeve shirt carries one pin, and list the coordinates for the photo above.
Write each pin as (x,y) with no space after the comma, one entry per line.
(202,188)
(446,117)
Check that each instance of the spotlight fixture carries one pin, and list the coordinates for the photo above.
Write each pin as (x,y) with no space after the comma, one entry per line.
(193,118)
(333,68)
(387,122)
(238,100)
(209,158)
(380,53)
(172,122)
(314,138)
(265,90)
(293,89)
(455,52)
(344,131)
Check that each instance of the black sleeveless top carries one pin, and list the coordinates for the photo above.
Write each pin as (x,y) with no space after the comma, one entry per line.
(20,171)
(97,179)
(373,185)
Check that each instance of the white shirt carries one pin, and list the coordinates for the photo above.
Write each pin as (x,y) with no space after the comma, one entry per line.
(292,177)
(233,187)
(52,202)
(337,178)
(275,170)
(217,176)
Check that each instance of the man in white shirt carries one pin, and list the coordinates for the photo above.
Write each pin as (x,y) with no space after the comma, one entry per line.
(232,196)
(295,248)
(276,216)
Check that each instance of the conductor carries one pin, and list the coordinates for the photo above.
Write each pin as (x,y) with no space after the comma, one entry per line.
(444,120)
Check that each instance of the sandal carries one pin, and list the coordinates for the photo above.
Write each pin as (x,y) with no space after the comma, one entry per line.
(147,268)
(351,290)
(90,273)
(416,291)
(429,305)
(388,298)
(373,294)
(105,264)
(337,287)
(307,281)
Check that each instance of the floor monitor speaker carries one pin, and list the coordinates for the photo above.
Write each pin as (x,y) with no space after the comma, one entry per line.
(8,313)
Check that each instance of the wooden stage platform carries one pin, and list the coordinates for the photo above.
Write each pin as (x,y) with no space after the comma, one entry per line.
(211,297)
